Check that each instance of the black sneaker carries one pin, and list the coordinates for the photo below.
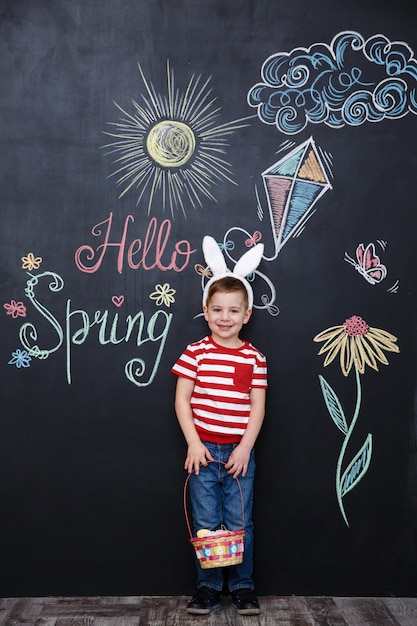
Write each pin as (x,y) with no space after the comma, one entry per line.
(244,600)
(205,600)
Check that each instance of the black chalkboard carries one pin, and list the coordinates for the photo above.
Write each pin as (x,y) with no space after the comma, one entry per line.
(129,131)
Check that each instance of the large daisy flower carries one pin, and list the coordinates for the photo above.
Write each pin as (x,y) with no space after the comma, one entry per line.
(357,344)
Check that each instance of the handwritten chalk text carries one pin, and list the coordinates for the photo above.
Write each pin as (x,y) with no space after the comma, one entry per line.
(149,253)
(109,329)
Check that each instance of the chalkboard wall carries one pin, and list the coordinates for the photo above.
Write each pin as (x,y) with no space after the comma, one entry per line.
(129,130)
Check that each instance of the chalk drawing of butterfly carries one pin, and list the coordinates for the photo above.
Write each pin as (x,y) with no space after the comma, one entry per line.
(368,264)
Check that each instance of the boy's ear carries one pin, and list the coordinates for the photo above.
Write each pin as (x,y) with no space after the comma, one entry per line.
(247,316)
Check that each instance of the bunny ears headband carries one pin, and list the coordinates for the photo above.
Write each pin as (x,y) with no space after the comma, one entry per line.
(245,266)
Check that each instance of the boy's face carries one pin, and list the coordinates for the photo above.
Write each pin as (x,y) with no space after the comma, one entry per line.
(225,314)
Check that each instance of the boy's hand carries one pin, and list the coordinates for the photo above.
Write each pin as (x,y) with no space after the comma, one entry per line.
(238,461)
(197,455)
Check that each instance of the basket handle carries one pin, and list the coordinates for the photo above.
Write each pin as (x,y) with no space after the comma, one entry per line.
(185,500)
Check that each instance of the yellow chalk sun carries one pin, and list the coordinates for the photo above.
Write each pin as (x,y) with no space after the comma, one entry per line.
(171,148)
(170,143)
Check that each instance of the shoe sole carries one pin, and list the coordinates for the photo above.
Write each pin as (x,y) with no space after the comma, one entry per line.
(192,611)
(249,611)
(254,610)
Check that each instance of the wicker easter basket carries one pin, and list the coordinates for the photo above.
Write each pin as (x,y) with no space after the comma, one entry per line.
(220,549)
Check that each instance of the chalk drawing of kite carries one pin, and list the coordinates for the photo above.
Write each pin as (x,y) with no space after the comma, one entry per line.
(170,148)
(293,186)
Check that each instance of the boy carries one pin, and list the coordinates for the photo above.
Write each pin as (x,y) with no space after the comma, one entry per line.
(220,405)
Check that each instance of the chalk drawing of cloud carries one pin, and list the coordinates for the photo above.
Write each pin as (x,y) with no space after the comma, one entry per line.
(350,81)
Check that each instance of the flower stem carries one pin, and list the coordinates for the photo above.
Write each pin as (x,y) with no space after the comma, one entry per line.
(345,444)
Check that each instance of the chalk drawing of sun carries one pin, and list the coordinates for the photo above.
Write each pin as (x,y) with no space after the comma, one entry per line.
(171,147)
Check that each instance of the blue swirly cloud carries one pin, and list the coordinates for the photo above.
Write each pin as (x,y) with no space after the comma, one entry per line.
(349,82)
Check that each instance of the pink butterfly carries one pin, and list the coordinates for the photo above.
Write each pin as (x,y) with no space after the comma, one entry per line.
(368,264)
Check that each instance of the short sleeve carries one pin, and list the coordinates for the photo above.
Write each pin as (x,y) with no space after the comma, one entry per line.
(186,365)
(260,373)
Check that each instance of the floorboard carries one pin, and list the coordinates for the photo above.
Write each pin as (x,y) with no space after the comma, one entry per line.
(170,611)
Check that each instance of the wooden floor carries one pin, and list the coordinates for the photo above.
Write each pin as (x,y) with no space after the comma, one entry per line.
(170,610)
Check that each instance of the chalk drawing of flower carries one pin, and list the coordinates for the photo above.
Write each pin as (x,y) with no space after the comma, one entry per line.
(357,344)
(30,262)
(15,309)
(163,294)
(20,358)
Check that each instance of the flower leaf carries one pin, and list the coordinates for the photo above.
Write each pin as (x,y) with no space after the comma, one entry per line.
(333,405)
(357,468)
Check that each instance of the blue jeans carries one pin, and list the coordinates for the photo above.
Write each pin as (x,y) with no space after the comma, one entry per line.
(216,500)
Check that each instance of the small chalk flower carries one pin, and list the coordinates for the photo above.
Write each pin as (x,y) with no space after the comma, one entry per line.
(20,358)
(163,294)
(15,309)
(30,262)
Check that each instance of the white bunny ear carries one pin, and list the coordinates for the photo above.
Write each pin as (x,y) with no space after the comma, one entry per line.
(214,256)
(249,261)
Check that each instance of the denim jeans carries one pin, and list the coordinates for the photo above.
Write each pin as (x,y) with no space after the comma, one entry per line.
(216,500)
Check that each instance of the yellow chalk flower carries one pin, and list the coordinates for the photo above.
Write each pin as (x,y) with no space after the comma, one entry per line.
(163,294)
(357,344)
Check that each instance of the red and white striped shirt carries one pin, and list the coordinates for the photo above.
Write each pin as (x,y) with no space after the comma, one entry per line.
(223,379)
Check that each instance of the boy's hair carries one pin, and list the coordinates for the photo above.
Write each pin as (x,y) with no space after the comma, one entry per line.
(227,284)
